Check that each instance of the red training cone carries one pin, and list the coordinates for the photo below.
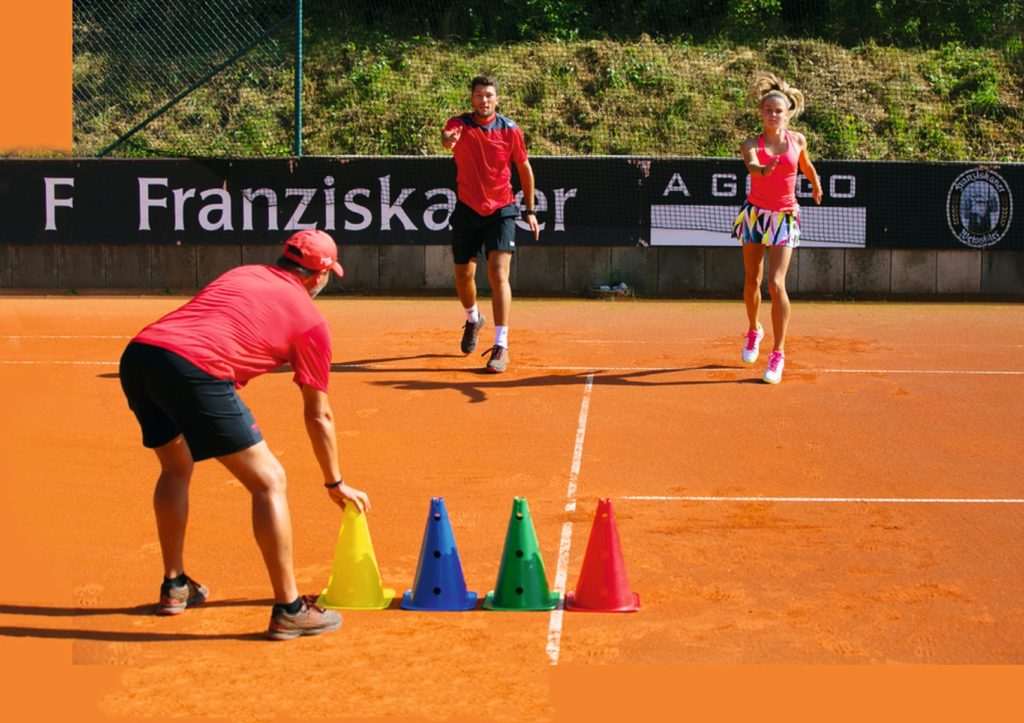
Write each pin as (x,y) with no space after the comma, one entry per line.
(603,586)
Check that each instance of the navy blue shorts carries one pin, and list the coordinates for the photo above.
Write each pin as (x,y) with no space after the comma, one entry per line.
(171,396)
(473,233)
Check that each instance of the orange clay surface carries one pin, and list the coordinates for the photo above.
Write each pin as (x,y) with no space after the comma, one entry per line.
(883,577)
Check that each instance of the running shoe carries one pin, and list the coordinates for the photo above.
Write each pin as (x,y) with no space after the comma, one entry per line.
(175,598)
(311,619)
(773,373)
(752,345)
(470,332)
(498,361)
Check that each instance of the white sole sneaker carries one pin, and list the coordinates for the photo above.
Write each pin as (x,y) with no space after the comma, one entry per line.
(752,345)
(773,373)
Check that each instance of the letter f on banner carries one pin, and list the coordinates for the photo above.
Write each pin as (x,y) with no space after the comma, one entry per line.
(52,202)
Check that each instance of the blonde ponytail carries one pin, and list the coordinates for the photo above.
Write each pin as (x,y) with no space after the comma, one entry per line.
(768,85)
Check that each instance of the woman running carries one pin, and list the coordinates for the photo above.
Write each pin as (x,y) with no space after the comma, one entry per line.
(770,217)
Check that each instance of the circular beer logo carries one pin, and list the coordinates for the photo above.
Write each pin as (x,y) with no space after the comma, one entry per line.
(979,207)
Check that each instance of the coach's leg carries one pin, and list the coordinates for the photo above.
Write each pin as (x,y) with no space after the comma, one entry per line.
(753,270)
(170,503)
(779,258)
(499,264)
(260,472)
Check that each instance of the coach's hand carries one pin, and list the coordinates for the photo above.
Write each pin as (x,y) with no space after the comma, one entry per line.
(344,494)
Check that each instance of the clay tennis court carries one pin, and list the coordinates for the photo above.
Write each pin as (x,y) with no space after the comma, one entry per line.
(855,530)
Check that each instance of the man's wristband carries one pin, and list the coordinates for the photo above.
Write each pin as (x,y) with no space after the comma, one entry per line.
(530,212)
(332,485)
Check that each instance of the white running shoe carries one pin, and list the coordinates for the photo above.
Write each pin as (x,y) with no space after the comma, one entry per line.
(776,363)
(752,345)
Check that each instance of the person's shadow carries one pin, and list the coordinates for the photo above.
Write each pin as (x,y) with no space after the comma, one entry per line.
(476,391)
(78,633)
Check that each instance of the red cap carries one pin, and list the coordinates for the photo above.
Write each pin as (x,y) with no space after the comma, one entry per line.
(313,249)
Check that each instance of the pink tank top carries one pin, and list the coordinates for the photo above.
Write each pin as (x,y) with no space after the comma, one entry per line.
(776,192)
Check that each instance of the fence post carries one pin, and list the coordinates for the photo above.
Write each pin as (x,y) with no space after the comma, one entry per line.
(298,77)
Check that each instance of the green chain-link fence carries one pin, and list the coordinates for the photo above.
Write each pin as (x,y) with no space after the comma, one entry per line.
(884,79)
(198,76)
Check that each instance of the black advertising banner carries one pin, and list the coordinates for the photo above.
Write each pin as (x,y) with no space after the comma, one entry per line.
(622,201)
(359,200)
(864,204)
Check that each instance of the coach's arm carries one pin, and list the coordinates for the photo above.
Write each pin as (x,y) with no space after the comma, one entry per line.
(319,420)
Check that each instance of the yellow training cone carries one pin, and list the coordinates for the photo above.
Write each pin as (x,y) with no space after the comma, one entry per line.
(355,578)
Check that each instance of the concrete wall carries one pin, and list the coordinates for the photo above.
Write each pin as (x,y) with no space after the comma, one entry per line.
(537,270)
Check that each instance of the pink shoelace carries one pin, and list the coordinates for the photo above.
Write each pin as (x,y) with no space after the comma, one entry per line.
(773,361)
(751,339)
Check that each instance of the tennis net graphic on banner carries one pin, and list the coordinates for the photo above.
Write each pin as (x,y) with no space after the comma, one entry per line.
(700,225)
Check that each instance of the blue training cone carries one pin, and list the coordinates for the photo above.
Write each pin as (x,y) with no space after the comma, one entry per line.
(439,583)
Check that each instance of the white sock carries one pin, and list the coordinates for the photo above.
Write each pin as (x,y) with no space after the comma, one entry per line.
(472,314)
(501,336)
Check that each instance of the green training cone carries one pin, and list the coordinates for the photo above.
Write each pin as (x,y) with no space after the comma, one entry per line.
(522,584)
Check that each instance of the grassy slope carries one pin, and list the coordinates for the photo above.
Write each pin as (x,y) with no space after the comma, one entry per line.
(597,97)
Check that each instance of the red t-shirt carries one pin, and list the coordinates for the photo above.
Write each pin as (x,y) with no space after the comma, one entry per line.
(246,322)
(482,160)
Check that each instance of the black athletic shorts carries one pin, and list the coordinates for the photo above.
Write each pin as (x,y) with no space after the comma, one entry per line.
(473,233)
(171,396)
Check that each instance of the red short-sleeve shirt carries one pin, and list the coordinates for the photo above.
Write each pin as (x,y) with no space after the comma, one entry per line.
(246,322)
(483,159)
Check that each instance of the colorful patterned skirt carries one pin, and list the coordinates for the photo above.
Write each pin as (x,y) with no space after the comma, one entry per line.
(756,225)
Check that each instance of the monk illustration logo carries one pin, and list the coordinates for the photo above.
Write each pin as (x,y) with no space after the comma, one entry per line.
(979,207)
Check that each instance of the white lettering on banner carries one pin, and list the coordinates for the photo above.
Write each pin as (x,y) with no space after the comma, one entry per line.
(429,215)
(803,186)
(355,208)
(305,196)
(329,203)
(833,186)
(723,184)
(222,208)
(269,197)
(540,205)
(52,202)
(676,184)
(561,196)
(180,196)
(389,209)
(146,202)
(212,209)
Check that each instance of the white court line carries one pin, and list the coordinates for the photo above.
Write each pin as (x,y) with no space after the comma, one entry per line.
(796,370)
(593,369)
(688,341)
(59,361)
(914,371)
(878,500)
(562,572)
(65,336)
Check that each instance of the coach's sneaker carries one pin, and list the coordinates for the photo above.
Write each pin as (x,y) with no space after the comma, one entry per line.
(470,332)
(311,619)
(752,345)
(175,598)
(498,361)
(773,373)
